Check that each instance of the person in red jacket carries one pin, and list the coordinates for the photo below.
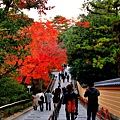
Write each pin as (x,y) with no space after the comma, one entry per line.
(71,103)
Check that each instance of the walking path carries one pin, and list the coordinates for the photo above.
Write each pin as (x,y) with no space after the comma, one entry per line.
(44,115)
(82,113)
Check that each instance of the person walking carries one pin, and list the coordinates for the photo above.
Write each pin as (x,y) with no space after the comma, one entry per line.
(34,100)
(41,97)
(59,83)
(48,96)
(59,76)
(65,74)
(92,93)
(71,103)
(63,90)
(68,77)
(71,84)
(56,96)
(63,78)
(62,75)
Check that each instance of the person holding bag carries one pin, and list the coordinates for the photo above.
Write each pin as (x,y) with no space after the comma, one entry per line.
(41,97)
(71,103)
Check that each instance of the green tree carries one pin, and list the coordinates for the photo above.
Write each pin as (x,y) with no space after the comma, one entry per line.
(108,34)
(13,41)
(80,42)
(18,5)
(11,91)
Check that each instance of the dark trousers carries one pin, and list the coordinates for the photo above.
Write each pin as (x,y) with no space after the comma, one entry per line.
(70,115)
(35,107)
(90,112)
(41,105)
(48,105)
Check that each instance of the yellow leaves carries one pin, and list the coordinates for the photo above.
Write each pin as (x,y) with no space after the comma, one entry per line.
(98,45)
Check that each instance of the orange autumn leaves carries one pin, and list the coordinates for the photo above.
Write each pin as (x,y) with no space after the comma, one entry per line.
(46,53)
(83,24)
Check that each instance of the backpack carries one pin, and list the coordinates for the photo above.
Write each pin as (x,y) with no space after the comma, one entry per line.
(70,106)
(42,98)
(93,100)
(56,98)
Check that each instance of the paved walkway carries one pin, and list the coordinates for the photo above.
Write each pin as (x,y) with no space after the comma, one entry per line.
(81,113)
(81,110)
(38,115)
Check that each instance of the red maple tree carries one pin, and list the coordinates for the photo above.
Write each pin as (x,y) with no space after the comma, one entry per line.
(46,53)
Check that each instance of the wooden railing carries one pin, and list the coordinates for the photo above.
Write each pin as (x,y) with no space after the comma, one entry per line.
(3,109)
(109,99)
(56,110)
(15,103)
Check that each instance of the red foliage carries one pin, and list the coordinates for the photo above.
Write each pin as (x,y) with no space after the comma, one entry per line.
(83,24)
(61,23)
(46,54)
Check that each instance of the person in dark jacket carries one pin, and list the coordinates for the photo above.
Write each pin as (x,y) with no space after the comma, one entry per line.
(71,103)
(63,90)
(92,93)
(56,96)
(59,76)
(68,77)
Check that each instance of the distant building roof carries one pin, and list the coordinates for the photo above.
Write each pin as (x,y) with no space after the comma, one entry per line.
(111,82)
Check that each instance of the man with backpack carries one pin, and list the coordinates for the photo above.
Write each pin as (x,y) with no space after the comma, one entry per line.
(92,93)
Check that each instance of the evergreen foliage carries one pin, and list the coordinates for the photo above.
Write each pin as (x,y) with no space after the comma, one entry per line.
(94,52)
(11,91)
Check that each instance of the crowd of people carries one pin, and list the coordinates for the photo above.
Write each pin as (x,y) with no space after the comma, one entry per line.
(63,75)
(39,98)
(69,96)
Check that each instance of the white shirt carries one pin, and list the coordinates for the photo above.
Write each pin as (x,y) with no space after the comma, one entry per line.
(39,95)
(48,97)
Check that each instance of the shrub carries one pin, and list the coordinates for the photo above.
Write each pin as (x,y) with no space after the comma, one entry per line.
(11,91)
